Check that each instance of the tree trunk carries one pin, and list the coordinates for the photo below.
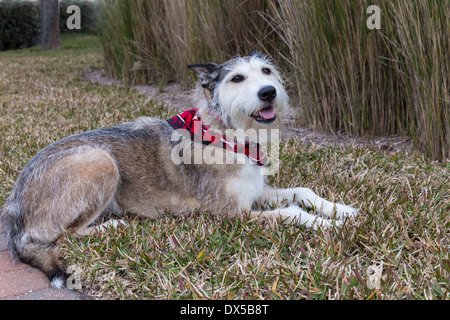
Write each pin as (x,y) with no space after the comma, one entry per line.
(50,24)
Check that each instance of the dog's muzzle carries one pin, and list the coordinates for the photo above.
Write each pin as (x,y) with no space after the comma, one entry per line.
(267,114)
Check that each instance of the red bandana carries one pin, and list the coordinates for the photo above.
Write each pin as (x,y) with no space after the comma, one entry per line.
(189,121)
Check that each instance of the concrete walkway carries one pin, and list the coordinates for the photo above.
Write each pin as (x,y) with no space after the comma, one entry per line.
(19,281)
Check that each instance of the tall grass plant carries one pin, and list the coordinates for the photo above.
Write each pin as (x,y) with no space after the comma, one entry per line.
(342,76)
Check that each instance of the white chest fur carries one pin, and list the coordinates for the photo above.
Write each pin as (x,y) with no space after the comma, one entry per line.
(247,186)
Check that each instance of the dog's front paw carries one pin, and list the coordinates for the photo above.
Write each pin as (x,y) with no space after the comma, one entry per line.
(294,213)
(343,211)
(326,223)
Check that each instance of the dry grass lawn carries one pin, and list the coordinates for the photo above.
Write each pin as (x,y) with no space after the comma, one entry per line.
(403,225)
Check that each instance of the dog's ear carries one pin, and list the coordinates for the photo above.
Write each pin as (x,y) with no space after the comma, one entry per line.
(257,54)
(202,68)
(207,72)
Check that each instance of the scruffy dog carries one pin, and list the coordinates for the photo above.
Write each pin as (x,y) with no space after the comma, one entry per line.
(131,167)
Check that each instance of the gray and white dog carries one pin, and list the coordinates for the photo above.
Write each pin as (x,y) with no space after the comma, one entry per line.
(129,168)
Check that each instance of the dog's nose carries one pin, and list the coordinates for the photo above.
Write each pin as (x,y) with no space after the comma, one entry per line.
(267,93)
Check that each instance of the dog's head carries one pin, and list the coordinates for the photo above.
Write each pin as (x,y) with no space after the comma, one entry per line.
(244,92)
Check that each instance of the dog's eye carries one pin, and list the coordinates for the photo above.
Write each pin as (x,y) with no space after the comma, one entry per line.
(237,79)
(266,71)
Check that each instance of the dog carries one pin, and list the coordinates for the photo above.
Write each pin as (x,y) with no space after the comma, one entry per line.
(130,168)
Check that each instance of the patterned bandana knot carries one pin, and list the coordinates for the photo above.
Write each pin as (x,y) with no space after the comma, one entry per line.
(190,121)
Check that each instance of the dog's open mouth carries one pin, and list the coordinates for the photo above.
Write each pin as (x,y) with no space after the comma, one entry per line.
(265,115)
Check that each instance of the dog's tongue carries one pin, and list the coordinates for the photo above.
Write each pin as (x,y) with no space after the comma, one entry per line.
(268,113)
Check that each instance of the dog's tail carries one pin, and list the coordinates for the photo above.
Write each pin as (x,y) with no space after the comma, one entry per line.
(31,251)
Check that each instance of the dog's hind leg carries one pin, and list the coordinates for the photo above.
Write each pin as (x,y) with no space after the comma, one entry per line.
(68,195)
(86,231)
(309,199)
(99,178)
(294,214)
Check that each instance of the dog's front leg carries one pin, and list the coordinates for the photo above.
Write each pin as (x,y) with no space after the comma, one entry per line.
(294,214)
(309,199)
